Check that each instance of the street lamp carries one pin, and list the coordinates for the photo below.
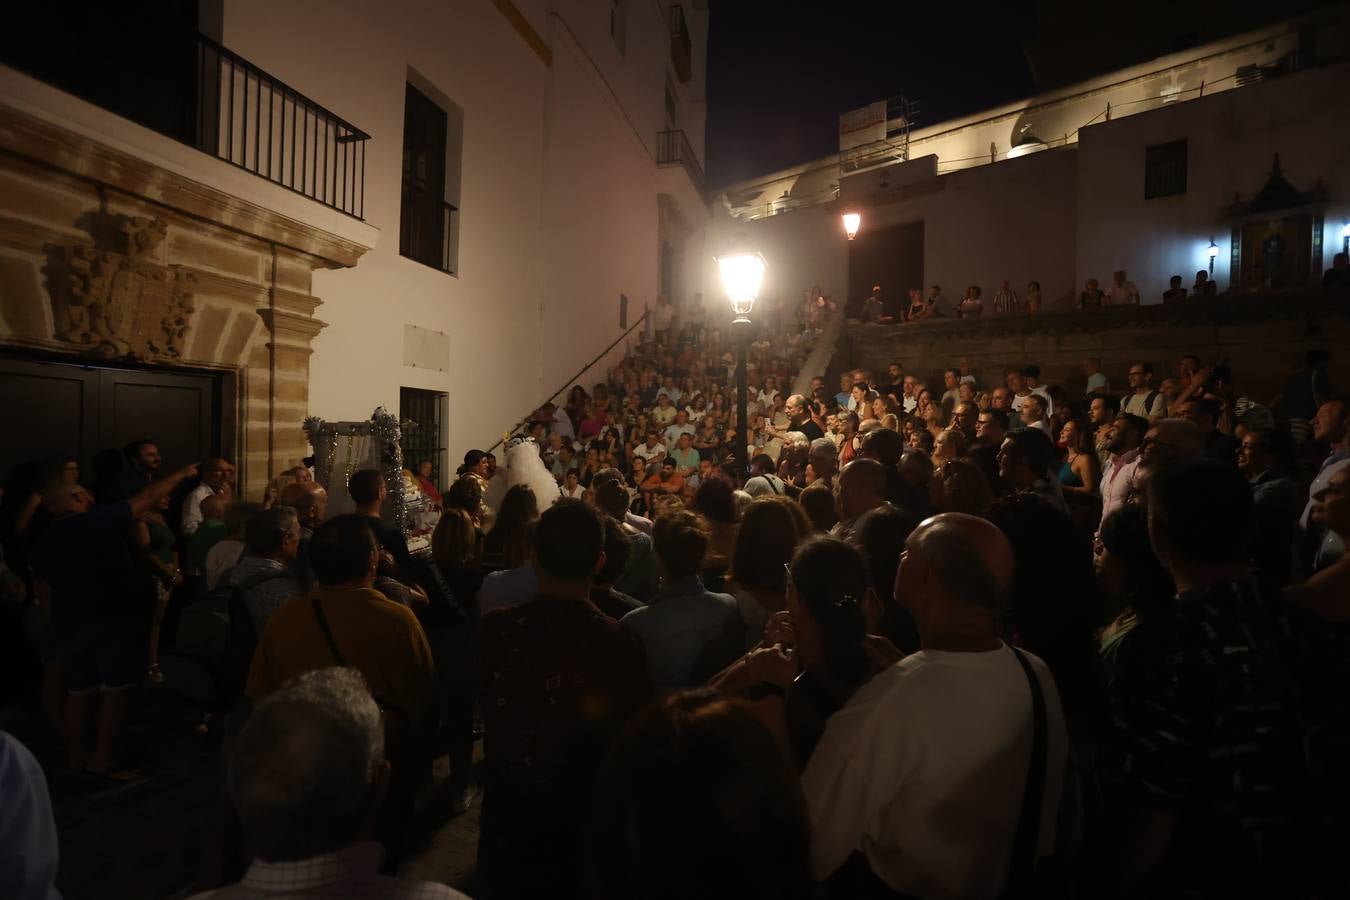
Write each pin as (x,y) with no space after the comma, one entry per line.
(742,274)
(1213,252)
(851,222)
(1345,237)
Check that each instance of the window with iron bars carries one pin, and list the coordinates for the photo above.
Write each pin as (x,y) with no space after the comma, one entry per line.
(427,221)
(422,414)
(1165,170)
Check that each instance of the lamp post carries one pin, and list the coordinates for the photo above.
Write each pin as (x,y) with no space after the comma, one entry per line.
(851,222)
(1345,238)
(1213,252)
(742,273)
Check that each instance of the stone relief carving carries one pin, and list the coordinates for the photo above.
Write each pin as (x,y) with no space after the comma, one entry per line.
(115,299)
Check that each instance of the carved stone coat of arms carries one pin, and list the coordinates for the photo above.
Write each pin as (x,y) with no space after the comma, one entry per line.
(123,302)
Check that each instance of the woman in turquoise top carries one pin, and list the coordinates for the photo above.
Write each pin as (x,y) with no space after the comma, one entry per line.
(1081,470)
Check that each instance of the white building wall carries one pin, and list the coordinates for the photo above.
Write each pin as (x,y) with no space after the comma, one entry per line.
(1064,215)
(557,201)
(1232,140)
(1057,117)
(598,221)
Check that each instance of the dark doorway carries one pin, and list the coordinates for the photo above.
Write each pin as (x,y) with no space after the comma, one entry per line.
(891,257)
(58,408)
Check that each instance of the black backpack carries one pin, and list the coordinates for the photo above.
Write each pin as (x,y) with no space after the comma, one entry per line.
(214,646)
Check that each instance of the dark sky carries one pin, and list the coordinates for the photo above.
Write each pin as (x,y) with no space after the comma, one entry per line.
(780,73)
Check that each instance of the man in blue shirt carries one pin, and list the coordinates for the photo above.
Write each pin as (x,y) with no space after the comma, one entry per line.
(85,574)
(689,632)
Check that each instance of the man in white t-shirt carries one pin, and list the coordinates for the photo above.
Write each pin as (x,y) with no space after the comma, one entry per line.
(1143,400)
(217,474)
(651,449)
(932,799)
(678,427)
(950,379)
(1022,386)
(1122,291)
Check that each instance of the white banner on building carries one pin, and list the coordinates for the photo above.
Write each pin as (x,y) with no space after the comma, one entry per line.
(862,126)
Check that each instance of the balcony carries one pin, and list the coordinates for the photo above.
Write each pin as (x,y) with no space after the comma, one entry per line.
(672,149)
(681,49)
(167,77)
(256,122)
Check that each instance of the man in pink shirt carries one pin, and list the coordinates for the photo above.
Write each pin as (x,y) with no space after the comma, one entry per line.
(1118,475)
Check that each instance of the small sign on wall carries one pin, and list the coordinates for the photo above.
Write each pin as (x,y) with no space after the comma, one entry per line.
(425,349)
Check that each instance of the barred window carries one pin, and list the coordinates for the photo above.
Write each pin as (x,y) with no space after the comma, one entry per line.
(1165,170)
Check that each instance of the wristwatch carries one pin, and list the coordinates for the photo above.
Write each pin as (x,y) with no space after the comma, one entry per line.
(761,689)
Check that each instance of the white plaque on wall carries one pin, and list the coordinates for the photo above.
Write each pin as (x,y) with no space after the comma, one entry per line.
(425,349)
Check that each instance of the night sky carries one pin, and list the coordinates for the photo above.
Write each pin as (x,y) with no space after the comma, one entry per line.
(780,73)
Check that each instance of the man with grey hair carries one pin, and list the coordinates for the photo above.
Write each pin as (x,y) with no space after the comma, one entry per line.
(308,776)
(956,733)
(824,460)
(264,575)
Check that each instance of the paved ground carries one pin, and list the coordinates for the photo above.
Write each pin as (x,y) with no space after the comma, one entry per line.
(154,839)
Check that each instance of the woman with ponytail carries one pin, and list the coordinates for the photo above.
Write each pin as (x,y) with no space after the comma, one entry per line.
(824,627)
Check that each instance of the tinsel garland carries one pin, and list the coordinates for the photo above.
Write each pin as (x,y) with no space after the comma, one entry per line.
(383,428)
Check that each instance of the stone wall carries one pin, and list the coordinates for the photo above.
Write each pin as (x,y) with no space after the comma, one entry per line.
(1262,337)
(106,256)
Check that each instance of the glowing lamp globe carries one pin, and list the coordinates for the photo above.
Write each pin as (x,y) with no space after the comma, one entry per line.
(851,222)
(1213,250)
(1345,231)
(742,275)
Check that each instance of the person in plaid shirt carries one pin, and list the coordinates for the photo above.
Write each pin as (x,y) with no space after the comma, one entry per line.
(1208,764)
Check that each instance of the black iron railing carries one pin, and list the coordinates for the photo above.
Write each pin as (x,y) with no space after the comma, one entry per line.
(681,48)
(248,118)
(673,149)
(428,229)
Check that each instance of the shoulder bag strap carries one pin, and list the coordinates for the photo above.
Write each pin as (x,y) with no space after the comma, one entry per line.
(385,706)
(327,632)
(1025,840)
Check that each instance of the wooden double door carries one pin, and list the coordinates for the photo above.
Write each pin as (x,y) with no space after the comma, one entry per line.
(53,408)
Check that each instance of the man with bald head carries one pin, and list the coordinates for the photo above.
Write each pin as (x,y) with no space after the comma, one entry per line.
(217,477)
(1169,441)
(799,416)
(310,502)
(922,773)
(861,487)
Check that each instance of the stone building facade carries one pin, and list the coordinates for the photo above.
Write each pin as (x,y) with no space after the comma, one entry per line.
(1263,338)
(109,258)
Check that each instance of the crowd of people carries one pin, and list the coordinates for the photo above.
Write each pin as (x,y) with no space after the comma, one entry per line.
(880,308)
(977,639)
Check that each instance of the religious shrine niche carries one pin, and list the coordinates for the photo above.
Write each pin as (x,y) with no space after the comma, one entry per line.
(1277,236)
(342,449)
(114,298)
